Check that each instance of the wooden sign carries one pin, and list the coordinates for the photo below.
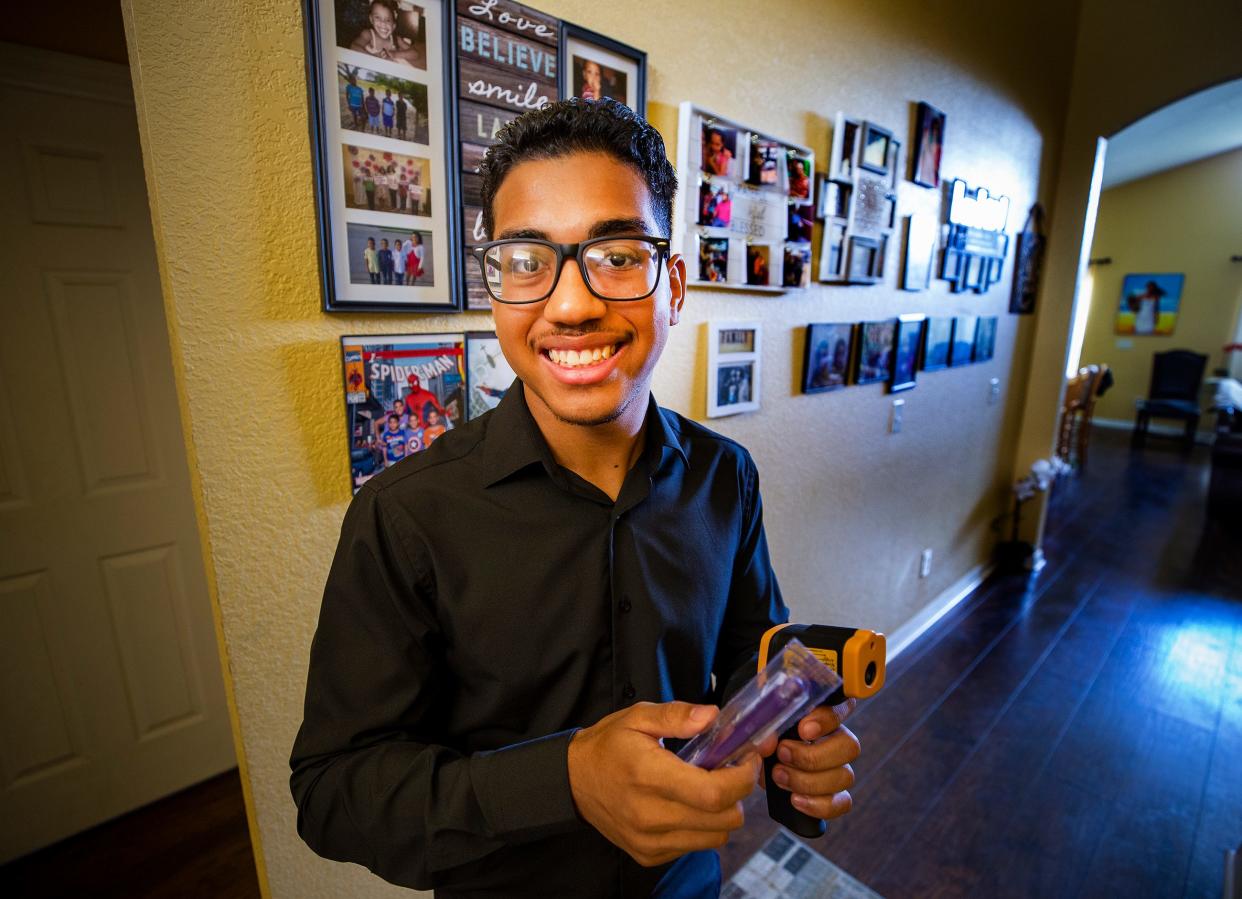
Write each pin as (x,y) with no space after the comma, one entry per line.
(512,17)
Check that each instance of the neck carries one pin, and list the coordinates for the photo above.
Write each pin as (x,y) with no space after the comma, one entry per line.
(602,454)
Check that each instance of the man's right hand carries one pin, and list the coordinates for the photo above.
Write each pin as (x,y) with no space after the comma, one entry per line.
(645,799)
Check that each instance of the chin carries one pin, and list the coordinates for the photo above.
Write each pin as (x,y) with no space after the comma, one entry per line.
(588,408)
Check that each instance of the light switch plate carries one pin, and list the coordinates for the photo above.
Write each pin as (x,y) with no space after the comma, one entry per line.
(993,391)
(895,421)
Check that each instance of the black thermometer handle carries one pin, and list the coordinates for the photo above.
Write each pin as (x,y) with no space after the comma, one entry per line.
(781,808)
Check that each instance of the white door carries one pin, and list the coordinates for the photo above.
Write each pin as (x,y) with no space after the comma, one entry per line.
(111,693)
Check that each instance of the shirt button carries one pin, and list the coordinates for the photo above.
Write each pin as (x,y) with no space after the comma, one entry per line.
(628,692)
(625,605)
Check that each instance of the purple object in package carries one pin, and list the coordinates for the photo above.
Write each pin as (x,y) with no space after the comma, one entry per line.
(792,684)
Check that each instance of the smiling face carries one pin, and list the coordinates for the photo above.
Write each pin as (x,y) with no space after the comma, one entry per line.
(584,361)
(382,21)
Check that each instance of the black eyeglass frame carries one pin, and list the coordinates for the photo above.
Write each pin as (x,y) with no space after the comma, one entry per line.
(572,251)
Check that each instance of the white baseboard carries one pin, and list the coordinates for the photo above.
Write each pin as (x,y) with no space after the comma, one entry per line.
(902,638)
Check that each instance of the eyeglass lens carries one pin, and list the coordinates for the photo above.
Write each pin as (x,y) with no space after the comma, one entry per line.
(622,269)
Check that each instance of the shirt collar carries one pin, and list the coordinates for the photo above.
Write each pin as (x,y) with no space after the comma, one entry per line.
(514,440)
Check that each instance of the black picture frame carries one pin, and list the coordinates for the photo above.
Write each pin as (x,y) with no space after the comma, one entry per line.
(448,280)
(869,131)
(879,370)
(907,350)
(566,71)
(814,379)
(926,120)
(937,359)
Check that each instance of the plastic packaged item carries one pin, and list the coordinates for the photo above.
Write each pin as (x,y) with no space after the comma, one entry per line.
(792,684)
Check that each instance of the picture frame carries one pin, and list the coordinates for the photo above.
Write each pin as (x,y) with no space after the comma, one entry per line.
(921,233)
(734,367)
(873,154)
(488,373)
(744,210)
(963,352)
(593,65)
(873,363)
(402,392)
(827,356)
(1149,304)
(928,146)
(907,346)
(385,170)
(937,343)
(985,338)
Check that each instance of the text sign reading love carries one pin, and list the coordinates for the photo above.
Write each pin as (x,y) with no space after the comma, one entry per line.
(512,17)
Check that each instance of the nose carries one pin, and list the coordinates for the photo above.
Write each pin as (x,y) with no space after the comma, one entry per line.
(572,303)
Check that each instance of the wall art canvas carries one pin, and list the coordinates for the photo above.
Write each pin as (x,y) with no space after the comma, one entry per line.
(1149,304)
(488,373)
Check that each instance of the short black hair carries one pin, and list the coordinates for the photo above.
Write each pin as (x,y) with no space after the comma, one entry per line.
(576,125)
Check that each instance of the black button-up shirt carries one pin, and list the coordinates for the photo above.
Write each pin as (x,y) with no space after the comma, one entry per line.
(483,603)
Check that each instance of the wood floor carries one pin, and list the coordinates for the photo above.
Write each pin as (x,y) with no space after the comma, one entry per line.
(1079,734)
(192,845)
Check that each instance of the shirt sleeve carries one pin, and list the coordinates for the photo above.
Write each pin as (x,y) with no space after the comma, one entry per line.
(371,782)
(755,602)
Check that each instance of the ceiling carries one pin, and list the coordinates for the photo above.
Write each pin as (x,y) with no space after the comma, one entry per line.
(1196,127)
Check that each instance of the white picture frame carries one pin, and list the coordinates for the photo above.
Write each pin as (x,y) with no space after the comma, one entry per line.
(734,367)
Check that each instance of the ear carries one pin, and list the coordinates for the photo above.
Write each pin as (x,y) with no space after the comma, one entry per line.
(677,287)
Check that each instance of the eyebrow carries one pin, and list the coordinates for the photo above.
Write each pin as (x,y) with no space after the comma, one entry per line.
(599,229)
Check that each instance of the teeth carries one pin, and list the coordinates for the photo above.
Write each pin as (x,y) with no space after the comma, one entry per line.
(579,358)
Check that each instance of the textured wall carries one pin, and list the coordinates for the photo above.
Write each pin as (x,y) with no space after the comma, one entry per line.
(849,507)
(1184,220)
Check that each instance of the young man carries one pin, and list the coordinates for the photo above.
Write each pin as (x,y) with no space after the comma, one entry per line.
(518,616)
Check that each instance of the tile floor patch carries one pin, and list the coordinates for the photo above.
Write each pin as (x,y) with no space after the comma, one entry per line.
(786,868)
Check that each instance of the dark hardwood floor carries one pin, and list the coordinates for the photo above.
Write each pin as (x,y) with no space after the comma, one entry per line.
(1078,733)
(191,845)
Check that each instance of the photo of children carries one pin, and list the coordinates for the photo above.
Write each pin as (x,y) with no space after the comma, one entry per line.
(733,383)
(386,182)
(714,259)
(797,271)
(715,207)
(875,353)
(401,393)
(719,150)
(764,169)
(378,103)
(594,81)
(394,30)
(827,357)
(801,221)
(757,264)
(799,175)
(393,256)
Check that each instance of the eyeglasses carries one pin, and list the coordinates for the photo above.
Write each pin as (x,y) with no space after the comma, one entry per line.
(523,270)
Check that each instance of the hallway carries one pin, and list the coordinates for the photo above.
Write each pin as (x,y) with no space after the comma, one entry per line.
(1074,736)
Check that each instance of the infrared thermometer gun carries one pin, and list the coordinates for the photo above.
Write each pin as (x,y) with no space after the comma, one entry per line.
(857,656)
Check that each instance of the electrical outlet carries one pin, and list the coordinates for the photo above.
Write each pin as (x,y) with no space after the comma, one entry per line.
(895,421)
(993,391)
(925,563)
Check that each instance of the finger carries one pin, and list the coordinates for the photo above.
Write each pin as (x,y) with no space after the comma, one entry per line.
(669,846)
(824,719)
(666,816)
(768,746)
(706,790)
(839,748)
(814,783)
(825,807)
(670,719)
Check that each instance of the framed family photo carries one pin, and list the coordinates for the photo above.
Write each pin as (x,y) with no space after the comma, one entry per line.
(382,114)
(875,351)
(826,360)
(733,367)
(594,66)
(907,344)
(928,145)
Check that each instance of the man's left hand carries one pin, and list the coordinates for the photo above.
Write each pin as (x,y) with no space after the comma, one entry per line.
(818,771)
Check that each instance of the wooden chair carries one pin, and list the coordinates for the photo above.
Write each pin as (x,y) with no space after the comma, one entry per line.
(1088,412)
(1176,377)
(1078,393)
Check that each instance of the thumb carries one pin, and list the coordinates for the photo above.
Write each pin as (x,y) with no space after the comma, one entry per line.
(671,719)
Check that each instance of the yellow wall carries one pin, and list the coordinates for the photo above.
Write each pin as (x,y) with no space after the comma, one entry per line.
(1187,219)
(222,108)
(1197,48)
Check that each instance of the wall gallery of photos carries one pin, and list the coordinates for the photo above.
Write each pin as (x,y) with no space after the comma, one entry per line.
(407,95)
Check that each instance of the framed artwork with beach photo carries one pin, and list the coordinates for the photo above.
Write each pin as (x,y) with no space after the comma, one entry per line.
(383,131)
